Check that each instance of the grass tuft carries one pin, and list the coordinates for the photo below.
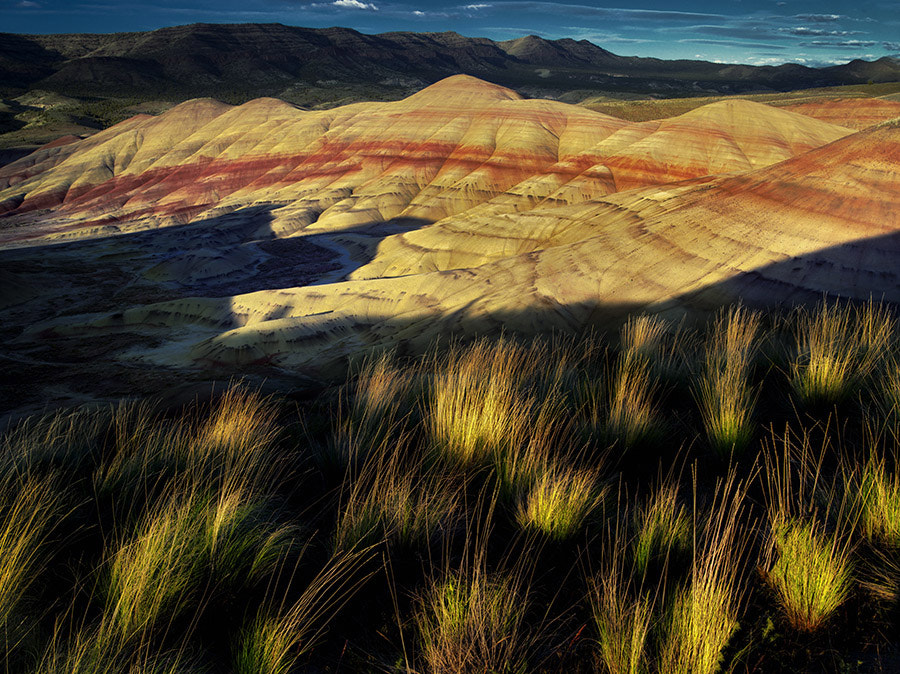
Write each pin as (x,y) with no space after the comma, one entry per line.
(839,347)
(559,501)
(664,530)
(472,622)
(811,573)
(724,392)
(478,408)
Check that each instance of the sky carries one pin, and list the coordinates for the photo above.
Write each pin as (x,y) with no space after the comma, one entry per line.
(758,32)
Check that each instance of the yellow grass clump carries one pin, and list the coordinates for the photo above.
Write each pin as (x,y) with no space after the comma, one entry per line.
(478,407)
(839,347)
(724,393)
(559,501)
(472,622)
(704,615)
(811,572)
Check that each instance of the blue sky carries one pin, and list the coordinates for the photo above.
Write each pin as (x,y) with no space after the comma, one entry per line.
(812,32)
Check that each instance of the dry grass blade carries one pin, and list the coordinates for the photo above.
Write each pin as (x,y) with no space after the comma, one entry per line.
(279,636)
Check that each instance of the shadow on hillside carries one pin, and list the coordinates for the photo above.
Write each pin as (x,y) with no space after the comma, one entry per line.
(228,254)
(87,362)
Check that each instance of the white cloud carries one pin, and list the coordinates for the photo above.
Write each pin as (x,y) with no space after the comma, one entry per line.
(417,12)
(354,4)
(478,6)
(27,3)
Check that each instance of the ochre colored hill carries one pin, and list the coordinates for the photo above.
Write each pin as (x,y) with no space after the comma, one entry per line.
(276,236)
(855,113)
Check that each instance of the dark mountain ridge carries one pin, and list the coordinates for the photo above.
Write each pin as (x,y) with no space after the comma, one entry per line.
(264,59)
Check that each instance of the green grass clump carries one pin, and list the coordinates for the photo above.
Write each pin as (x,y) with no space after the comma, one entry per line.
(664,530)
(811,573)
(478,407)
(725,394)
(473,622)
(558,502)
(839,347)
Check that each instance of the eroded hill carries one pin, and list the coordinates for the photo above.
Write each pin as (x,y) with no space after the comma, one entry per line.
(267,237)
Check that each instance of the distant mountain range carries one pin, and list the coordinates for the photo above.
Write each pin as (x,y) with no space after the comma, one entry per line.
(247,60)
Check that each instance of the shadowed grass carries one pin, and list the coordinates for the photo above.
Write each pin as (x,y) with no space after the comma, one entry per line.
(274,641)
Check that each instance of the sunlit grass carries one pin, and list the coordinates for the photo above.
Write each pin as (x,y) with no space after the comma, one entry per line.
(877,496)
(811,573)
(725,394)
(623,608)
(664,530)
(393,501)
(279,636)
(379,401)
(704,614)
(839,347)
(28,512)
(559,501)
(632,416)
(477,406)
(472,622)
(470,517)
(808,566)
(192,545)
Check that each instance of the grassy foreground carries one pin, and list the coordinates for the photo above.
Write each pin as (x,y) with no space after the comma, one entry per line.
(661,501)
